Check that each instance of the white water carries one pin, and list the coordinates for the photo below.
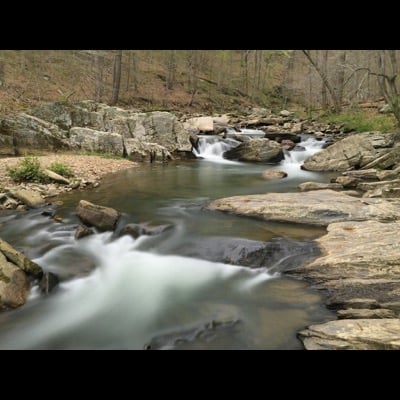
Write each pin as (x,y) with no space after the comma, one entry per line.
(120,304)
(212,148)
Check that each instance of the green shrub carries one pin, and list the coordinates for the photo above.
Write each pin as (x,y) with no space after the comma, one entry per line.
(361,122)
(28,170)
(61,169)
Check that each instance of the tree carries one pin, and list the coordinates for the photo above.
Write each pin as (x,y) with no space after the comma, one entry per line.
(116,77)
(336,103)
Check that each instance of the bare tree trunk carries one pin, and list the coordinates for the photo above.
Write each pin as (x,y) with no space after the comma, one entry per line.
(325,81)
(340,75)
(387,82)
(171,70)
(98,61)
(128,72)
(116,78)
(324,94)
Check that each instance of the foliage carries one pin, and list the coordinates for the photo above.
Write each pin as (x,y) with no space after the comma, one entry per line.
(362,122)
(27,170)
(61,169)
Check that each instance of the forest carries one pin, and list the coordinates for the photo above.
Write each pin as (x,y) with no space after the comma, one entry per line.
(209,81)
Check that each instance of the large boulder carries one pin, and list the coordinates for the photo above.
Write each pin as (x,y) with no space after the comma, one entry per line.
(353,334)
(256,150)
(103,123)
(28,132)
(19,259)
(14,285)
(353,152)
(87,139)
(201,124)
(103,218)
(29,197)
(319,207)
(138,150)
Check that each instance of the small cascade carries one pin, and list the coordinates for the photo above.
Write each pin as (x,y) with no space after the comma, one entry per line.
(307,148)
(212,148)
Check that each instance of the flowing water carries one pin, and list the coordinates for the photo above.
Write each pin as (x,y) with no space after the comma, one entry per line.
(175,289)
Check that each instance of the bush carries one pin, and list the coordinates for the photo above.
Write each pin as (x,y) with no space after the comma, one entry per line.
(28,170)
(362,122)
(61,169)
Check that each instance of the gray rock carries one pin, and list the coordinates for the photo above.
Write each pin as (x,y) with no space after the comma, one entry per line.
(320,207)
(14,285)
(347,181)
(29,197)
(285,113)
(307,186)
(203,124)
(272,174)
(353,334)
(136,230)
(365,313)
(29,132)
(87,139)
(82,231)
(364,174)
(351,152)
(19,259)
(137,150)
(55,177)
(386,160)
(48,282)
(280,136)
(103,218)
(256,150)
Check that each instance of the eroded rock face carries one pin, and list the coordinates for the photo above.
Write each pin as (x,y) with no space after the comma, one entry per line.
(318,207)
(19,259)
(103,218)
(14,285)
(353,334)
(355,151)
(256,150)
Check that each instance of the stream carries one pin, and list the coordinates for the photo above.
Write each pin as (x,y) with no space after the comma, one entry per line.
(176,289)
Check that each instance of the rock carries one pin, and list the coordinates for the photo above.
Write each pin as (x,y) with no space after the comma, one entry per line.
(298,148)
(82,231)
(386,160)
(285,113)
(29,132)
(272,174)
(48,282)
(279,136)
(222,120)
(256,150)
(335,302)
(374,185)
(320,207)
(391,192)
(386,175)
(288,144)
(19,259)
(7,145)
(55,177)
(354,250)
(29,197)
(366,174)
(136,230)
(307,186)
(102,218)
(297,128)
(194,140)
(352,152)
(349,334)
(347,181)
(278,255)
(203,124)
(91,140)
(75,184)
(137,150)
(14,285)
(365,314)
(385,109)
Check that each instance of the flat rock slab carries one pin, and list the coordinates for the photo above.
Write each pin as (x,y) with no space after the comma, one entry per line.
(29,197)
(353,334)
(319,207)
(357,250)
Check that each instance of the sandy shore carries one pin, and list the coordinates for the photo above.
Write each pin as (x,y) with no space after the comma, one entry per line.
(90,169)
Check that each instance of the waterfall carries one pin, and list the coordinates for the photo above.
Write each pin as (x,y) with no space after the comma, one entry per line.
(211,148)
